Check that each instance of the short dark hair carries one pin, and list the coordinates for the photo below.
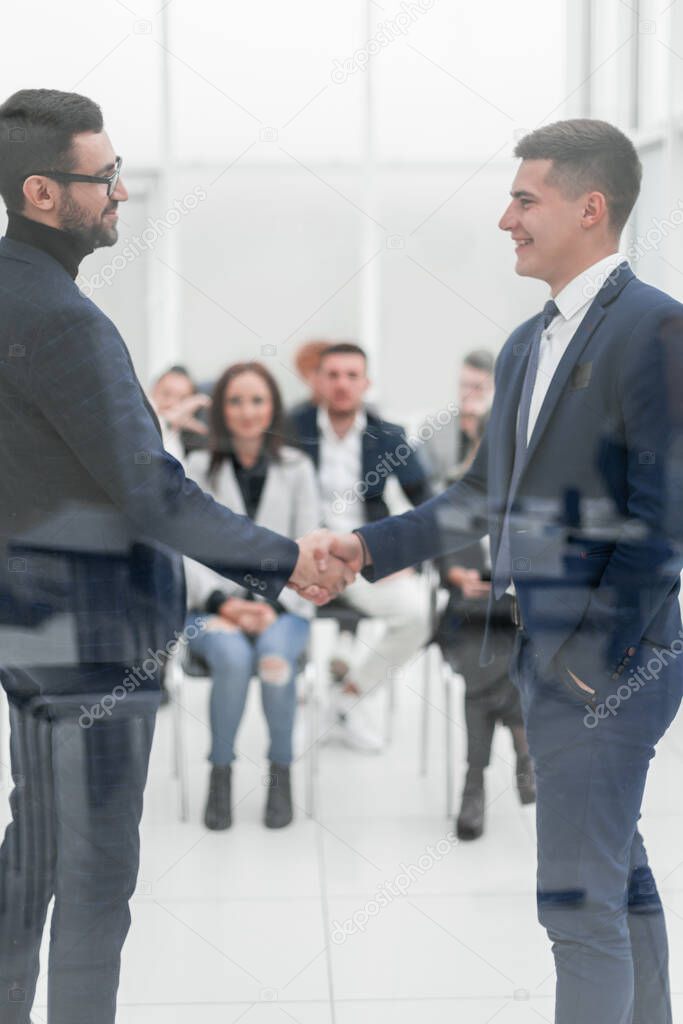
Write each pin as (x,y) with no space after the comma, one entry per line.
(589,154)
(480,359)
(37,127)
(343,348)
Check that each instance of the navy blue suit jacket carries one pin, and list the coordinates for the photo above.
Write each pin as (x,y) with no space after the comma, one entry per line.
(598,517)
(385,450)
(92,508)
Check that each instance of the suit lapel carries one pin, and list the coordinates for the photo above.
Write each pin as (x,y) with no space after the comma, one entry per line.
(612,288)
(370,450)
(586,329)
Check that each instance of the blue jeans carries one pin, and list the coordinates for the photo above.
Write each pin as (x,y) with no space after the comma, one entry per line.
(597,897)
(233,658)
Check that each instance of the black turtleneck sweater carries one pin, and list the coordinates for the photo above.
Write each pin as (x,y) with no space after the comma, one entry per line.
(65,248)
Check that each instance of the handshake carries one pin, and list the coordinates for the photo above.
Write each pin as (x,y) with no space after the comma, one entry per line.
(327,563)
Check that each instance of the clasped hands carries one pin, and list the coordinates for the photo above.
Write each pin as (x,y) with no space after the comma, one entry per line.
(327,563)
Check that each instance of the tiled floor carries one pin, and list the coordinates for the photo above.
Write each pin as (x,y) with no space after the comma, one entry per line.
(248,925)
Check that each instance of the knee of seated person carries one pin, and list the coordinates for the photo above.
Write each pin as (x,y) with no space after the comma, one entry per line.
(274,669)
(643,897)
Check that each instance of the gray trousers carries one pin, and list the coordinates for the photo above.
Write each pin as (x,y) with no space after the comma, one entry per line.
(76,807)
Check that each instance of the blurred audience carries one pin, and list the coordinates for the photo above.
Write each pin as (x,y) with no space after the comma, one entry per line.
(354,452)
(247,468)
(177,403)
(490,695)
(449,449)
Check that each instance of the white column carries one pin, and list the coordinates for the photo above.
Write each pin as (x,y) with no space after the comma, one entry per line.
(372,236)
(165,345)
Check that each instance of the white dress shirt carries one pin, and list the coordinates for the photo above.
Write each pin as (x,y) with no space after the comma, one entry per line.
(573,302)
(340,470)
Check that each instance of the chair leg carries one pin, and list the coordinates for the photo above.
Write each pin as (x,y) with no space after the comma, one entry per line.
(175,678)
(447,673)
(389,710)
(324,633)
(426,687)
(311,744)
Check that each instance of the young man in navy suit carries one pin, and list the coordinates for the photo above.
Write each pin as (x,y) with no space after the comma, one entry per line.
(578,482)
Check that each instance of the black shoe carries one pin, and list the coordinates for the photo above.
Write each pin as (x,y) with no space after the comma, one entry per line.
(218,813)
(279,811)
(526,779)
(470,823)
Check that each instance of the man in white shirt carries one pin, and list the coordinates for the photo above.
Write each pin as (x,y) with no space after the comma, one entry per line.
(578,481)
(355,452)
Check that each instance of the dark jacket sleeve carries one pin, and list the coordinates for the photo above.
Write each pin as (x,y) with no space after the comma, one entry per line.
(83,382)
(451,520)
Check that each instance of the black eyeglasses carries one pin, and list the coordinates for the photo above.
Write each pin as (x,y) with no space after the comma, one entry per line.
(111,181)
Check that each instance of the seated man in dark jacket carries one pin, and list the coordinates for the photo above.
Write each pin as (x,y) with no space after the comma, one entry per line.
(490,696)
(355,452)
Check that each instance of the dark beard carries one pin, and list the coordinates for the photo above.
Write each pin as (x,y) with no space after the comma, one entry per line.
(91,235)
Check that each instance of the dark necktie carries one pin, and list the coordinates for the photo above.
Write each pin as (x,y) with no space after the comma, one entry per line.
(503,570)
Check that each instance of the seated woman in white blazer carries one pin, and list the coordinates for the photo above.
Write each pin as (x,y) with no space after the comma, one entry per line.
(248,468)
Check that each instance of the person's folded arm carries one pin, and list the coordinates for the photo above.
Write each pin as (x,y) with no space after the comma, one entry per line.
(83,382)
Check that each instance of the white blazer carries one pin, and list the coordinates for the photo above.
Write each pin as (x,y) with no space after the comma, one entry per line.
(290,505)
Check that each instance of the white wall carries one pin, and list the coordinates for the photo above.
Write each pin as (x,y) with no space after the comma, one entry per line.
(272,256)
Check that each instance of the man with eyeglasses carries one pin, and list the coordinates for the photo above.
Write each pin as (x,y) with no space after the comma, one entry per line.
(91,595)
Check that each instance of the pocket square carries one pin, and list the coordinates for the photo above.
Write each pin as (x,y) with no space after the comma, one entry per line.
(581,376)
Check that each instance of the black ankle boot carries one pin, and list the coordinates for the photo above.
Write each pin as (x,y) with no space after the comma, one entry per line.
(470,823)
(279,811)
(526,779)
(218,813)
